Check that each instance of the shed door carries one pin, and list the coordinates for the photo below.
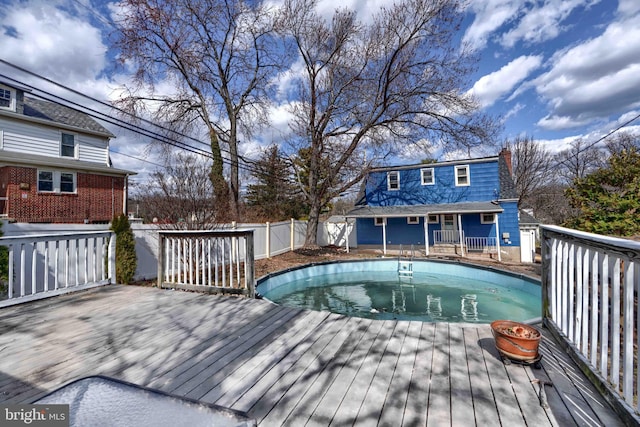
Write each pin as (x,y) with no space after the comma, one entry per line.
(527,245)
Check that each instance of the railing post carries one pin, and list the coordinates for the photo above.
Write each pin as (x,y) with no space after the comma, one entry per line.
(160,259)
(112,258)
(249,266)
(546,263)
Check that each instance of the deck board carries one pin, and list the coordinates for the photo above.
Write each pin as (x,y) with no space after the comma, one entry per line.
(285,366)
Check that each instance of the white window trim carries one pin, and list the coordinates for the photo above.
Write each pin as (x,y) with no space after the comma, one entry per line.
(433,176)
(12,103)
(413,220)
(457,176)
(436,221)
(379,221)
(482,220)
(75,145)
(57,182)
(397,173)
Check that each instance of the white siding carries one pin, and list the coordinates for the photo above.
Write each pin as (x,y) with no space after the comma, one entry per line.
(92,149)
(42,140)
(30,139)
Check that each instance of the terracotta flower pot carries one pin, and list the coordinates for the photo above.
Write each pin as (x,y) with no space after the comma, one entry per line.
(516,340)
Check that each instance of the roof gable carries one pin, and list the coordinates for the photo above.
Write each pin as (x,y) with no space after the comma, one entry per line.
(46,110)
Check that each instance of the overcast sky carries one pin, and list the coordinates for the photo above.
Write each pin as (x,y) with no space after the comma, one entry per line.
(552,69)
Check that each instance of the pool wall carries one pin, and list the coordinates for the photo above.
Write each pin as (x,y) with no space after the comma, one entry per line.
(471,271)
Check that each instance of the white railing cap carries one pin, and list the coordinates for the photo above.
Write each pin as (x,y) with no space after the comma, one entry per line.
(598,238)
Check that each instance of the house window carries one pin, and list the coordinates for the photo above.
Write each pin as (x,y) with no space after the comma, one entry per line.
(67,182)
(45,181)
(68,145)
(393,180)
(487,218)
(7,98)
(427,176)
(433,219)
(413,220)
(56,182)
(379,221)
(462,175)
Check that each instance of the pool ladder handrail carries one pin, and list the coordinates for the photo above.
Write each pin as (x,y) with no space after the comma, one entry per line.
(405,266)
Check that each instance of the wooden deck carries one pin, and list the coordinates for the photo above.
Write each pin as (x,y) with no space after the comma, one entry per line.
(284,366)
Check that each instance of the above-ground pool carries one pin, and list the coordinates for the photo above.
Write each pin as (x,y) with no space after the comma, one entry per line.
(437,291)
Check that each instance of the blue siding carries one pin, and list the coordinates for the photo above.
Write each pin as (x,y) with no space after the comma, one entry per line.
(398,232)
(508,223)
(483,177)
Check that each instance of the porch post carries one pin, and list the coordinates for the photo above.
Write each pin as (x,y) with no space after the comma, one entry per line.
(426,234)
(460,234)
(384,236)
(498,239)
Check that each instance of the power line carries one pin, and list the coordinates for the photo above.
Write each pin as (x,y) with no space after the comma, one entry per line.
(593,144)
(163,138)
(137,158)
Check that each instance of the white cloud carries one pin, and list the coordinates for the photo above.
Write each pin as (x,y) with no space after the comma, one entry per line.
(628,7)
(515,110)
(491,87)
(595,79)
(543,22)
(490,15)
(44,38)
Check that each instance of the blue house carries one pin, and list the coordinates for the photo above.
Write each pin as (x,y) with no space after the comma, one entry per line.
(463,206)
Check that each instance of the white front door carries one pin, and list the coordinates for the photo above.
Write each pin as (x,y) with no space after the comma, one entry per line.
(449,228)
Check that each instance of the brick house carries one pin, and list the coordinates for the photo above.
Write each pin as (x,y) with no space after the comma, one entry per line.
(54,163)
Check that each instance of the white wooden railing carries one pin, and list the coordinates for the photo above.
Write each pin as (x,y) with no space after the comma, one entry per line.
(46,265)
(481,244)
(446,236)
(214,261)
(590,289)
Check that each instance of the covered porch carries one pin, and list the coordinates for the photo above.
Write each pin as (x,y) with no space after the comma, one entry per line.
(455,228)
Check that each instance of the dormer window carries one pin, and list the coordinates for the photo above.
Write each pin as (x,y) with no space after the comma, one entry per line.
(393,181)
(7,98)
(426,176)
(68,145)
(462,176)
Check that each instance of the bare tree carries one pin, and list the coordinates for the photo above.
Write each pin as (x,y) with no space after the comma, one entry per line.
(179,196)
(578,161)
(531,166)
(623,141)
(216,55)
(364,86)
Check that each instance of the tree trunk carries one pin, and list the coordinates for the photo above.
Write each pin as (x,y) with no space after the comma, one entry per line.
(311,237)
(220,187)
(234,199)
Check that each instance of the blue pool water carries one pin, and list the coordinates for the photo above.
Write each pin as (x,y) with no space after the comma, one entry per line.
(437,292)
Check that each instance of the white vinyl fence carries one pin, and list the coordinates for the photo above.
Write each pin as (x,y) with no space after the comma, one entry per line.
(590,290)
(47,265)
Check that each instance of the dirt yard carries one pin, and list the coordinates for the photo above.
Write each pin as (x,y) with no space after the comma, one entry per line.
(303,256)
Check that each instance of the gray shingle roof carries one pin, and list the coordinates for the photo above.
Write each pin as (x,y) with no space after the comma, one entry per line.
(40,109)
(526,218)
(420,210)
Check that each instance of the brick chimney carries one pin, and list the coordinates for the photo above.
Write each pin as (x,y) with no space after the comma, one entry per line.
(506,154)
